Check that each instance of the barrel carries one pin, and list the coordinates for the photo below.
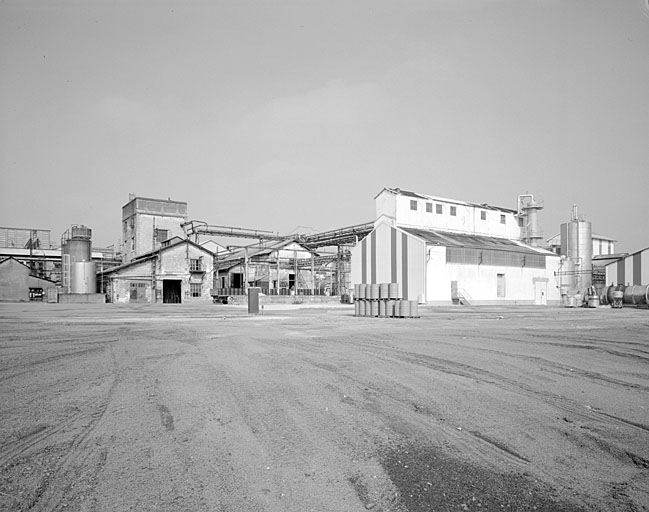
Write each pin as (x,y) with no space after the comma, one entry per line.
(384,289)
(382,308)
(361,307)
(593,301)
(396,312)
(404,311)
(357,307)
(389,308)
(374,308)
(374,292)
(414,308)
(394,291)
(362,291)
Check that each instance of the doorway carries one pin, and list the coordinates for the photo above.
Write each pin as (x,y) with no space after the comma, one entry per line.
(171,293)
(541,293)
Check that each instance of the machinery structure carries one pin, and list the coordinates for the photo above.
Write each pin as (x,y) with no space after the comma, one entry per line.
(282,264)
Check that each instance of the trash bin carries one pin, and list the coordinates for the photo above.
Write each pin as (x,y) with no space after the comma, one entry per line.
(253,300)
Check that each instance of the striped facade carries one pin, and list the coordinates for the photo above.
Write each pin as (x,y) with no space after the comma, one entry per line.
(631,270)
(390,255)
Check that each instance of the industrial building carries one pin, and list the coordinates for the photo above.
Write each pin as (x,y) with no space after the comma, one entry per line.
(179,271)
(630,269)
(445,251)
(18,284)
(147,223)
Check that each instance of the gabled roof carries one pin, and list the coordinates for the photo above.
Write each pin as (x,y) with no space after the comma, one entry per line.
(407,193)
(237,256)
(2,262)
(152,254)
(447,239)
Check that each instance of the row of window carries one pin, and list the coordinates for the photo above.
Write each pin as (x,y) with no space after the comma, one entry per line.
(439,209)
(137,288)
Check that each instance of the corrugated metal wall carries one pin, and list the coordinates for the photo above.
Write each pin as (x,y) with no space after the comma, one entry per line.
(389,255)
(634,269)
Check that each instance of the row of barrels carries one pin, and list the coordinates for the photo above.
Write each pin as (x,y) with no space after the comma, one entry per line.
(378,291)
(386,308)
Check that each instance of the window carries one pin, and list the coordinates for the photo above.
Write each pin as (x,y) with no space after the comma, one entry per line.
(195,265)
(438,208)
(429,207)
(161,234)
(502,219)
(483,215)
(196,289)
(413,205)
(453,211)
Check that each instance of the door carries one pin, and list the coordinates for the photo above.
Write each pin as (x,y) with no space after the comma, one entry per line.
(541,293)
(500,291)
(171,291)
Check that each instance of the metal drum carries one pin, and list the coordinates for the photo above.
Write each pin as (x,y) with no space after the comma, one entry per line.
(374,308)
(382,308)
(374,292)
(384,291)
(404,310)
(362,291)
(394,291)
(361,307)
(414,309)
(389,308)
(357,307)
(396,313)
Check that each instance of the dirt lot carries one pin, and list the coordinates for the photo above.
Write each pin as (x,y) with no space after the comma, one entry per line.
(186,408)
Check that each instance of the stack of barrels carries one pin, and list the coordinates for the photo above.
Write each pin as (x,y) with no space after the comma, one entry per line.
(383,300)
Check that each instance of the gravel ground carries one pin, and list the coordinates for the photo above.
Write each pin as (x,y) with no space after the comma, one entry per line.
(205,408)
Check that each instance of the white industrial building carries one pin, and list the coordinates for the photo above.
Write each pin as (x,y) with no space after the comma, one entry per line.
(444,251)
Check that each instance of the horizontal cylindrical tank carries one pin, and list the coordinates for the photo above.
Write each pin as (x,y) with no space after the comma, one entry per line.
(632,294)
(83,277)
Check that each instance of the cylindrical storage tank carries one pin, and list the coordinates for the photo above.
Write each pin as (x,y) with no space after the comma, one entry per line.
(384,291)
(362,291)
(381,308)
(361,307)
(374,291)
(78,244)
(83,277)
(404,310)
(578,246)
(394,290)
(389,308)
(414,308)
(374,308)
(566,276)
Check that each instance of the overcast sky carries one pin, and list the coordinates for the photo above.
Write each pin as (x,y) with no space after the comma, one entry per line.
(285,115)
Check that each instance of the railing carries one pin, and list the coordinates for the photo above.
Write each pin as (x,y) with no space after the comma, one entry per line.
(464,297)
(226,292)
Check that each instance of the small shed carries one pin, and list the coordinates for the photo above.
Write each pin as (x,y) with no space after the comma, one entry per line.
(18,284)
